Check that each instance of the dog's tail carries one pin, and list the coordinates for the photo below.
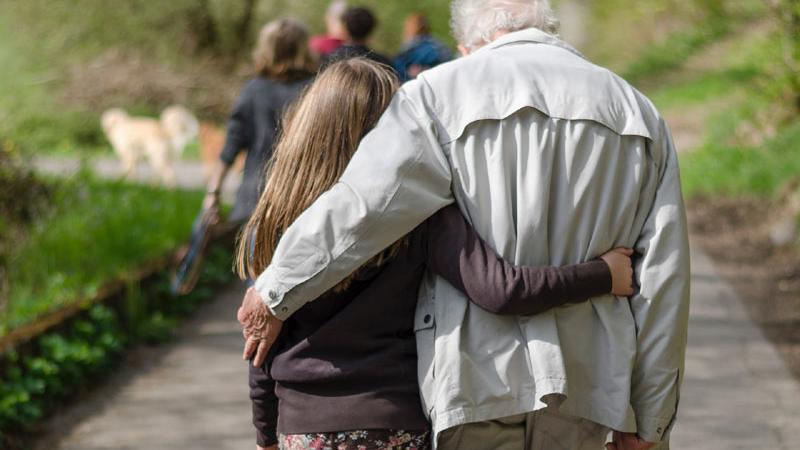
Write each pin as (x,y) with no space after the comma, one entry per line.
(181,126)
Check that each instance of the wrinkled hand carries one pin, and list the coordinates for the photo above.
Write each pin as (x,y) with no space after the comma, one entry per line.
(628,441)
(261,328)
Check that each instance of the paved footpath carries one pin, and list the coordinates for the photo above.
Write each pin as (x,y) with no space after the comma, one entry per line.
(189,174)
(737,393)
(191,394)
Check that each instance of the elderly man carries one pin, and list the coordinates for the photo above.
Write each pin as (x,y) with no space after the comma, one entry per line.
(553,159)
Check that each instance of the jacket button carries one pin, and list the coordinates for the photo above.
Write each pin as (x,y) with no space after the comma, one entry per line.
(273,295)
(427,319)
(658,430)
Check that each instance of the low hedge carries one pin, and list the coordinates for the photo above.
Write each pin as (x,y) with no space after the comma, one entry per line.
(44,373)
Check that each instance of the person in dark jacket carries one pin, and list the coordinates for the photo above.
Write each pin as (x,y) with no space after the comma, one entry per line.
(420,51)
(342,373)
(360,23)
(284,66)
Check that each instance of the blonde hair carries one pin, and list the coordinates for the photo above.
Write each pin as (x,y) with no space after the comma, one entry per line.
(282,50)
(321,132)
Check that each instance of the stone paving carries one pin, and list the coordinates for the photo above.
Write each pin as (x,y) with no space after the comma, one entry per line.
(192,394)
(737,394)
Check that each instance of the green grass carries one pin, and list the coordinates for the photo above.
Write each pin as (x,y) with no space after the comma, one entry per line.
(733,92)
(730,170)
(671,53)
(98,231)
(704,88)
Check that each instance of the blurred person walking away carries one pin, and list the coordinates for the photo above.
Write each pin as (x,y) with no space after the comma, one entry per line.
(359,23)
(325,44)
(420,51)
(284,66)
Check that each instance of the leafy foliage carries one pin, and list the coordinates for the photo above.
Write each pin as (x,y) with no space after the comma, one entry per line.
(33,383)
(62,363)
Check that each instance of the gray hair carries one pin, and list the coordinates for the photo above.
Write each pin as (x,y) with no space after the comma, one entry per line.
(475,22)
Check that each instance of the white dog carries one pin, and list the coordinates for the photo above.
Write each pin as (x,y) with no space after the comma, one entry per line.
(157,140)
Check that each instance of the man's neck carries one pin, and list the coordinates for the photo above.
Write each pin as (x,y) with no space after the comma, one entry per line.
(497,35)
(467,50)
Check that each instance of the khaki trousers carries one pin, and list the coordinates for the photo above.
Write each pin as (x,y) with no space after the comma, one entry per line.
(545,429)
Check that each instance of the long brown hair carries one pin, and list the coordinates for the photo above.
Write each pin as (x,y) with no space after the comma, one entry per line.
(321,132)
(282,51)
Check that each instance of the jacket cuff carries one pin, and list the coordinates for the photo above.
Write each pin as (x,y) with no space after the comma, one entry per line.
(654,429)
(275,294)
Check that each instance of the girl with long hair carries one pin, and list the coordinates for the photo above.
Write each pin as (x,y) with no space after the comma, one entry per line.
(343,372)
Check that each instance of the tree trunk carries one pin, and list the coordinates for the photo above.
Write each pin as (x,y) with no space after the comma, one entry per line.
(204,31)
(242,28)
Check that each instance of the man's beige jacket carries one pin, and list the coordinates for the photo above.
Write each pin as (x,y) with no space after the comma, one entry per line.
(555,161)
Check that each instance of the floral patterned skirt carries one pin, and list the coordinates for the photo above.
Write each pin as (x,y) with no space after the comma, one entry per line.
(358,440)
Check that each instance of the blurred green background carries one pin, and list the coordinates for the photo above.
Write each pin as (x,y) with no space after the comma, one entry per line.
(724,73)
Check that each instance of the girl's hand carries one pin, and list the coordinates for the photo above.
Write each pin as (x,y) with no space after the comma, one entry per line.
(619,263)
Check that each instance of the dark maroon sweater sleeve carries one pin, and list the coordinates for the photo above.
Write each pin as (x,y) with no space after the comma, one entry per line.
(265,405)
(456,253)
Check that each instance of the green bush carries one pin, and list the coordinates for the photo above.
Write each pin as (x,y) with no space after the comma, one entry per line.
(32,384)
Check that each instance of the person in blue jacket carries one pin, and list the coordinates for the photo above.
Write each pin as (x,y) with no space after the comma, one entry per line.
(421,51)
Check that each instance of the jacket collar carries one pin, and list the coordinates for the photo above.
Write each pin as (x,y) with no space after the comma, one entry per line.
(534,35)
